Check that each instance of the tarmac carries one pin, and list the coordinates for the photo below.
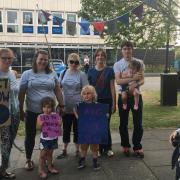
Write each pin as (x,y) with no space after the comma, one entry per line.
(156,164)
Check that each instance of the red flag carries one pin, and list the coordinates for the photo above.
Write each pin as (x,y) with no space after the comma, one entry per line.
(98,26)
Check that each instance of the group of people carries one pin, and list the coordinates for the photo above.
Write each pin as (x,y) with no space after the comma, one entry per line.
(41,89)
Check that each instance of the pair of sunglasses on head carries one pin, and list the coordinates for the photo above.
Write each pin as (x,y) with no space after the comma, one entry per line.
(74,62)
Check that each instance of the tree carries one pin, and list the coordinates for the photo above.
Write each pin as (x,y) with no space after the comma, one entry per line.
(150,32)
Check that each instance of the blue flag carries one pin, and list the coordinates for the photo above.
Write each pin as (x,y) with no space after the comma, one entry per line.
(85,26)
(124,19)
(58,20)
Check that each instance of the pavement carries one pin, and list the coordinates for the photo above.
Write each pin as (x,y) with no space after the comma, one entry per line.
(156,164)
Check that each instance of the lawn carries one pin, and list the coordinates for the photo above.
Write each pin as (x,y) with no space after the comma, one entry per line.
(154,115)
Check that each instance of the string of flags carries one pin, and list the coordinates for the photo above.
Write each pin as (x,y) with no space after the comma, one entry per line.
(99,26)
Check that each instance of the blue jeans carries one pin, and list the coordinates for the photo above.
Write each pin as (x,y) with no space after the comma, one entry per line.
(137,122)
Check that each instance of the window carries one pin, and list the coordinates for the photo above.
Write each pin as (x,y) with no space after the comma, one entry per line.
(27,22)
(57,27)
(42,24)
(12,22)
(1,26)
(71,24)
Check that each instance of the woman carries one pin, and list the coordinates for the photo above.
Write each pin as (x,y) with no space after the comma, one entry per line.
(72,81)
(102,78)
(8,133)
(36,83)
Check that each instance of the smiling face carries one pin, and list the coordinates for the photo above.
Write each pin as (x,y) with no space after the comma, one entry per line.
(6,58)
(127,52)
(73,61)
(100,57)
(42,62)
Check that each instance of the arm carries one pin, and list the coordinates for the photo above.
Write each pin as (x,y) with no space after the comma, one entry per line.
(59,95)
(21,97)
(75,113)
(113,93)
(39,123)
(123,80)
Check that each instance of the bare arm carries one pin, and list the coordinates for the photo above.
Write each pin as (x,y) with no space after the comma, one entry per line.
(120,80)
(59,95)
(39,123)
(21,97)
(113,93)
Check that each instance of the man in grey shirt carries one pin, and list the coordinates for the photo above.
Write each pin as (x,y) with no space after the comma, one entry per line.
(119,68)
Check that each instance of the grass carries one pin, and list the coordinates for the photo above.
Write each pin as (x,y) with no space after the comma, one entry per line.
(154,115)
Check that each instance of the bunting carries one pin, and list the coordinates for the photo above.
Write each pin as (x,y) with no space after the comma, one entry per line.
(85,26)
(151,3)
(112,27)
(58,20)
(98,26)
(138,11)
(46,15)
(124,19)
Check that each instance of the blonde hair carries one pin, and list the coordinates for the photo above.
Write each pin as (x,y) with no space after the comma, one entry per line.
(90,89)
(6,50)
(73,56)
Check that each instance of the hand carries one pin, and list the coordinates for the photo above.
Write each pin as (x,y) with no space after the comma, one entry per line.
(22,114)
(132,86)
(60,109)
(137,76)
(172,136)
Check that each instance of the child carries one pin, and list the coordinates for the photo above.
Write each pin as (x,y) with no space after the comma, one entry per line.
(49,123)
(133,68)
(88,95)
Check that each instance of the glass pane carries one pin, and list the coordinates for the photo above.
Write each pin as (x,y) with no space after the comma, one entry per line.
(1,28)
(27,56)
(41,18)
(0,17)
(12,28)
(71,24)
(12,17)
(57,53)
(71,17)
(57,15)
(27,18)
(17,56)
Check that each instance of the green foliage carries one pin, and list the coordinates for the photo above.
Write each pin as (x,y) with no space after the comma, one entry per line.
(151,32)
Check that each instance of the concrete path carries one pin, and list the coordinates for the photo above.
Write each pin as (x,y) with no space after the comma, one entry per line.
(155,166)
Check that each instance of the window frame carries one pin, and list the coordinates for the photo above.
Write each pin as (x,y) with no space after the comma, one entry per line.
(27,25)
(71,13)
(58,14)
(13,24)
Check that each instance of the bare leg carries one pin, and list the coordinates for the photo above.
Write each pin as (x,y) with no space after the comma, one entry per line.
(124,99)
(42,161)
(136,98)
(51,169)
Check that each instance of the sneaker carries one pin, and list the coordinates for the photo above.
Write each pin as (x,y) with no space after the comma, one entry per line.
(139,153)
(96,165)
(99,154)
(126,151)
(81,163)
(110,153)
(7,175)
(63,155)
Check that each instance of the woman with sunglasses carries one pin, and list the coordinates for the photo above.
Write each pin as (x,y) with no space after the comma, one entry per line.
(8,132)
(35,84)
(72,81)
(102,78)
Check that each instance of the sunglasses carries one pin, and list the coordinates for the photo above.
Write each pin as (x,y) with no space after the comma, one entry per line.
(74,62)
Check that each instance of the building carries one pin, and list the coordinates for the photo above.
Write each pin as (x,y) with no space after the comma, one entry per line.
(22,30)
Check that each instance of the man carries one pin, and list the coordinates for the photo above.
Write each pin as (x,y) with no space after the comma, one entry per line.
(119,68)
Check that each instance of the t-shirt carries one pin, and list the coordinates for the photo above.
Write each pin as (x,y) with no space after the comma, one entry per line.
(101,81)
(72,84)
(37,86)
(122,66)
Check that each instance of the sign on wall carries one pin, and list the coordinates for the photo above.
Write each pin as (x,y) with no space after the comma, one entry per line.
(93,123)
(4,102)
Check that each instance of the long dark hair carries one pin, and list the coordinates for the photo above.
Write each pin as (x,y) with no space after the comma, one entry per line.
(34,64)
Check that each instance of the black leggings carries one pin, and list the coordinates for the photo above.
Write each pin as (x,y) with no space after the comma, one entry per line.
(68,121)
(30,132)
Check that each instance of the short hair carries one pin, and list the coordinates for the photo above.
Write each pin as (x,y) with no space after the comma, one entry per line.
(100,50)
(34,64)
(48,101)
(91,89)
(127,43)
(135,65)
(73,56)
(6,50)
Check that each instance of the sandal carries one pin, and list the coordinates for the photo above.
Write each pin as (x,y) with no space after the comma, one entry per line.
(7,175)
(42,175)
(139,153)
(29,165)
(53,171)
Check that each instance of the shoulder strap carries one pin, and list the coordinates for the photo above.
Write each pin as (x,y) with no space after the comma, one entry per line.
(63,74)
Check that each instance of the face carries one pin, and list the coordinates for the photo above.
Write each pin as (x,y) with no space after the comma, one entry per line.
(73,64)
(6,59)
(127,52)
(42,62)
(47,109)
(87,97)
(100,58)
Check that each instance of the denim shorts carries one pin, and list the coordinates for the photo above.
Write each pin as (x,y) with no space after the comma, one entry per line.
(48,144)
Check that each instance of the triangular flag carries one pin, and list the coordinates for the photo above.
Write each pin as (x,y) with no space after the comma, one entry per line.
(151,3)
(112,26)
(138,11)
(85,26)
(58,20)
(71,28)
(124,19)
(98,26)
(46,15)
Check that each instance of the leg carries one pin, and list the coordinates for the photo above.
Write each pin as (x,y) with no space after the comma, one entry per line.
(123,128)
(136,98)
(124,99)
(137,121)
(75,131)
(42,161)
(67,123)
(82,159)
(51,169)
(94,149)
